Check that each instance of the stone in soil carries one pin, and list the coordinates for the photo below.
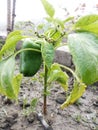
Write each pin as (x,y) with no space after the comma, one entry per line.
(60,100)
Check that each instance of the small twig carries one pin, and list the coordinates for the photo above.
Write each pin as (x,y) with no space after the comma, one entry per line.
(43,122)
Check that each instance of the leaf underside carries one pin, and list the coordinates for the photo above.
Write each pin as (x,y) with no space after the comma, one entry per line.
(9,85)
(56,74)
(77,92)
(47,51)
(84,49)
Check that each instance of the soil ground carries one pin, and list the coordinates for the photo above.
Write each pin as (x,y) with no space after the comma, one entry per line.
(82,115)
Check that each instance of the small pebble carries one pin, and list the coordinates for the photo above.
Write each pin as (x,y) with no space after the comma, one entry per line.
(60,100)
(95,103)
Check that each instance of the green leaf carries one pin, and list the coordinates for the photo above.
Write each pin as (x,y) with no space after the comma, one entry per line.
(77,92)
(53,33)
(40,26)
(16,84)
(68,19)
(11,41)
(33,103)
(86,20)
(84,49)
(48,8)
(88,23)
(9,85)
(56,22)
(59,22)
(47,50)
(56,74)
(49,19)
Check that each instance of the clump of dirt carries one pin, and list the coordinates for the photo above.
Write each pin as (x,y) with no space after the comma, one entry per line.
(82,115)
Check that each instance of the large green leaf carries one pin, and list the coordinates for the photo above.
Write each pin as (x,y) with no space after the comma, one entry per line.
(84,49)
(11,41)
(9,85)
(86,20)
(56,74)
(88,23)
(47,51)
(48,8)
(77,92)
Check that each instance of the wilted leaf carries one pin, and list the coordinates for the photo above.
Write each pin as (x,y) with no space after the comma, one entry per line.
(48,8)
(56,74)
(16,83)
(47,51)
(77,92)
(84,49)
(9,85)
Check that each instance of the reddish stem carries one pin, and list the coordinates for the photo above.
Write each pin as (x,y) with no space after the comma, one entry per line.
(45,92)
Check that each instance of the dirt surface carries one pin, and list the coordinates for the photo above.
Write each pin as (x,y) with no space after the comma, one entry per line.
(83,115)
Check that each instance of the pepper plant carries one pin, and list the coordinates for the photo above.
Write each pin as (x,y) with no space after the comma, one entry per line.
(82,40)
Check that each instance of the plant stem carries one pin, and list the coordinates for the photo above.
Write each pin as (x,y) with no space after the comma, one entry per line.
(45,91)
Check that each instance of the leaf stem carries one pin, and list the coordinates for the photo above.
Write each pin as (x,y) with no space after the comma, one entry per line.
(70,70)
(27,49)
